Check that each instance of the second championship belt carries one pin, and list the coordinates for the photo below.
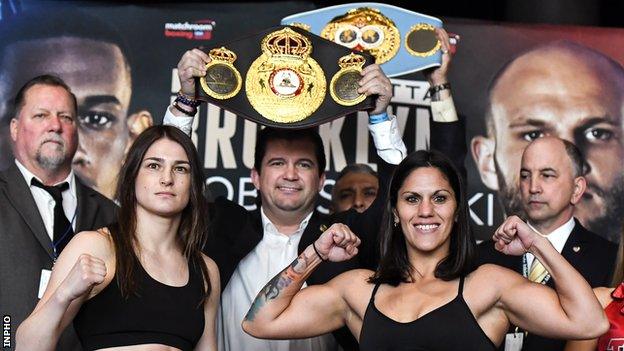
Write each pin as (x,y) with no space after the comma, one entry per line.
(402,41)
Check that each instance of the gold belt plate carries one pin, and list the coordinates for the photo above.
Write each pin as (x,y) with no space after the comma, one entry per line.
(344,84)
(285,84)
(421,40)
(222,80)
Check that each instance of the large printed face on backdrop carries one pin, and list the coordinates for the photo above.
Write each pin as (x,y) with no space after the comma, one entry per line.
(99,76)
(569,91)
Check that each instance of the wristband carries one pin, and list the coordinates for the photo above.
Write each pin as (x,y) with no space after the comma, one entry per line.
(374,119)
(187,100)
(190,113)
(437,88)
(318,254)
(434,91)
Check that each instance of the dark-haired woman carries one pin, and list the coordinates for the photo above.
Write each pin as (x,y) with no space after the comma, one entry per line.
(426,293)
(142,284)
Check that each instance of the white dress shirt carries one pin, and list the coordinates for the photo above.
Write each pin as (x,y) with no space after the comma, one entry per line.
(557,238)
(272,254)
(45,202)
(444,110)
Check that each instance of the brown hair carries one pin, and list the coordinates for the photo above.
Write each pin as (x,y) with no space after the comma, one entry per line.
(194,222)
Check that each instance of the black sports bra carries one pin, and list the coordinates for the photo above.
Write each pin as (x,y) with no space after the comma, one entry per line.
(451,327)
(160,314)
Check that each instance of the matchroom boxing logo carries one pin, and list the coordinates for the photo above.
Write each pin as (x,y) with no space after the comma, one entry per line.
(198,30)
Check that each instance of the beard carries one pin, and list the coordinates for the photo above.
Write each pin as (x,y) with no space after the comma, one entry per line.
(610,224)
(509,195)
(51,161)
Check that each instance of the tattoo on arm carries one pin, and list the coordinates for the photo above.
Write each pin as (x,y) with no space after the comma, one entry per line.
(276,285)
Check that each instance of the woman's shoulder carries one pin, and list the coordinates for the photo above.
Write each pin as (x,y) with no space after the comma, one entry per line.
(354,287)
(603,294)
(210,263)
(493,270)
(492,275)
(213,269)
(356,274)
(97,234)
(353,279)
(95,242)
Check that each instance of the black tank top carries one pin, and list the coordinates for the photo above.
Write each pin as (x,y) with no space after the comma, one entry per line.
(161,314)
(450,327)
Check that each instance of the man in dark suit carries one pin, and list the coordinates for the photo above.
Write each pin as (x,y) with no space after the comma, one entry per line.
(551,184)
(95,63)
(42,203)
(251,247)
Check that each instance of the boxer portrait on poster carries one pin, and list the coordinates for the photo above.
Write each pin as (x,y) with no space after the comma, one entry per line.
(564,89)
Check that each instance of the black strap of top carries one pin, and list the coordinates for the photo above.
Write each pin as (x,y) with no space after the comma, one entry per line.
(460,288)
(374,292)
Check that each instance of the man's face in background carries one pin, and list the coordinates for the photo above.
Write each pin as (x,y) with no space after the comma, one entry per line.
(355,190)
(100,78)
(569,92)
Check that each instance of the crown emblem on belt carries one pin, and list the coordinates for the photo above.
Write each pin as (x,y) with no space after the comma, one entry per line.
(287,42)
(351,60)
(222,54)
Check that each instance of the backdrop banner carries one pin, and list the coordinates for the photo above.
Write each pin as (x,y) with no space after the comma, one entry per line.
(120,60)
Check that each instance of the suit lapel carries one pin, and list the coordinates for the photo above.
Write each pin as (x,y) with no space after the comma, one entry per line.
(573,250)
(86,206)
(575,246)
(250,240)
(19,195)
(312,231)
(516,263)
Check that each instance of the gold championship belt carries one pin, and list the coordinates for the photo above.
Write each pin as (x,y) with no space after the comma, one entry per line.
(344,84)
(285,84)
(286,71)
(367,29)
(222,80)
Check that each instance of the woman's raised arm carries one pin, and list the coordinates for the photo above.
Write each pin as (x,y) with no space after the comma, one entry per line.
(283,311)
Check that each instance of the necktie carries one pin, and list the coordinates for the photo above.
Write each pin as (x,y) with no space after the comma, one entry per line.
(538,272)
(63,231)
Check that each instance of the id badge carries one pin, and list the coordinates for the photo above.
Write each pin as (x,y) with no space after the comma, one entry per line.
(43,282)
(513,341)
